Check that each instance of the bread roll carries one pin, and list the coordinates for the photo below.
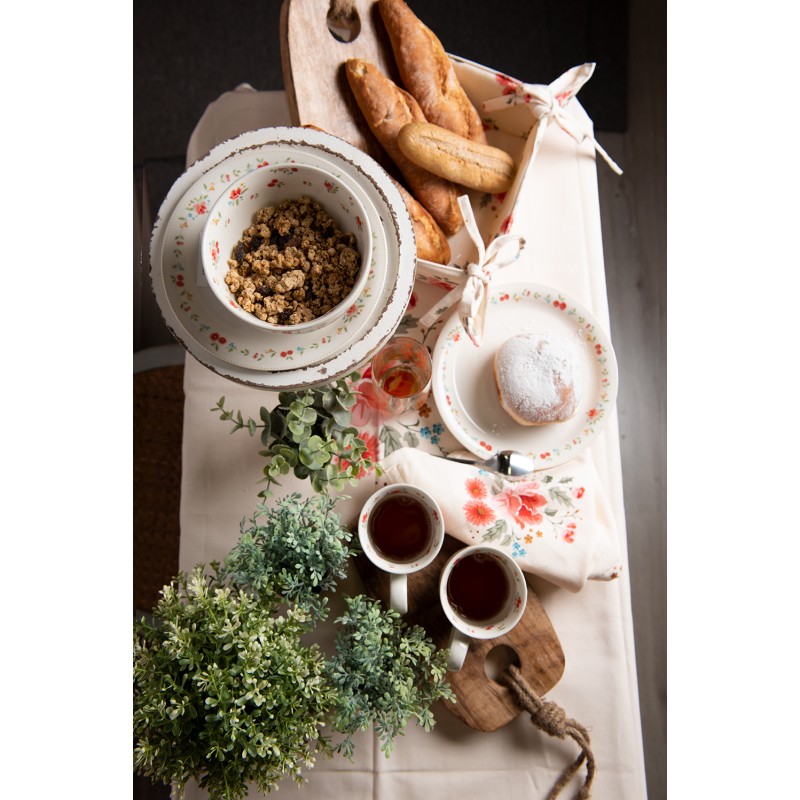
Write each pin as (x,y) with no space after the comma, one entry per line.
(386,108)
(463,161)
(427,72)
(538,378)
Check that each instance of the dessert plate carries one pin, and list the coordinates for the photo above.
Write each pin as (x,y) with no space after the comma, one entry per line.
(464,386)
(195,304)
(203,328)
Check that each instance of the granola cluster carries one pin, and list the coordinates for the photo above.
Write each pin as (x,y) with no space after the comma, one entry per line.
(293,264)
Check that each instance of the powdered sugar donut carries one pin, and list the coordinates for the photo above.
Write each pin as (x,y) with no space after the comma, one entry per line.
(538,378)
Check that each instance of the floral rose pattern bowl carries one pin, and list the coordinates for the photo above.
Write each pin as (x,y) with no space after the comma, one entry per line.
(236,207)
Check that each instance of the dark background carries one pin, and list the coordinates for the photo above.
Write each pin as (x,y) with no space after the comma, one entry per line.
(188,53)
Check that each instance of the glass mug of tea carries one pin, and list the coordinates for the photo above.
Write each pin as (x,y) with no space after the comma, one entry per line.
(401,375)
(483,593)
(401,531)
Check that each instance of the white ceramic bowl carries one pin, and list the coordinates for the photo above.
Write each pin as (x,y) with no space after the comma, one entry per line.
(236,208)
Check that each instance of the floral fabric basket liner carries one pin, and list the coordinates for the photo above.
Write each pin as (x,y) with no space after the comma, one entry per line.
(516,116)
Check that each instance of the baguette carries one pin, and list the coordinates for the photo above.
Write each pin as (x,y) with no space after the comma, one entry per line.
(387,108)
(427,72)
(432,244)
(463,161)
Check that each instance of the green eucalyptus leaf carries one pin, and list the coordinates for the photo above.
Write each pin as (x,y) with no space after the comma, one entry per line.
(340,415)
(315,443)
(277,422)
(297,408)
(285,399)
(298,428)
(348,400)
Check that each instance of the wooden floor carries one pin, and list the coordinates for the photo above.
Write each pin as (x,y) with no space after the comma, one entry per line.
(633,216)
(633,213)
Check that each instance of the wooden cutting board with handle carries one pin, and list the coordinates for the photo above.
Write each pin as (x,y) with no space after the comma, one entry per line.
(312,58)
(482,703)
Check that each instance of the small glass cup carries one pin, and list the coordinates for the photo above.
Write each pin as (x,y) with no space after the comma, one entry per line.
(401,374)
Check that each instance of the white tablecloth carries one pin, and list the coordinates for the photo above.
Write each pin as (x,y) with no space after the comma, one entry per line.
(558,213)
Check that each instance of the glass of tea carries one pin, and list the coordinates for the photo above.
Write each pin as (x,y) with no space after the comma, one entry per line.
(483,593)
(401,374)
(401,531)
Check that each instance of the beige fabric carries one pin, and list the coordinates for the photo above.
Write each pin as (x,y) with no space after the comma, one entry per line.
(559,211)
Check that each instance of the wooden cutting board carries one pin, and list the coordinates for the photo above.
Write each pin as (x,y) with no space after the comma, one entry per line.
(482,703)
(312,58)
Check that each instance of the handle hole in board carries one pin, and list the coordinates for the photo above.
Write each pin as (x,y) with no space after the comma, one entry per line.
(343,21)
(498,659)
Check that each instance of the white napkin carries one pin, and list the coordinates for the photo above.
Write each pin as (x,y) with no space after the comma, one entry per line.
(558,525)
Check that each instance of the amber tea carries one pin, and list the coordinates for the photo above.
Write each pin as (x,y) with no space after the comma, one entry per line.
(400,528)
(479,588)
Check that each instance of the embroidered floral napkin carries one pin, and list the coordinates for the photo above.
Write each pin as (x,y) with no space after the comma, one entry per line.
(557,525)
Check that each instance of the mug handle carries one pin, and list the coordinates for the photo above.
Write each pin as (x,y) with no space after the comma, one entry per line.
(459,645)
(398,592)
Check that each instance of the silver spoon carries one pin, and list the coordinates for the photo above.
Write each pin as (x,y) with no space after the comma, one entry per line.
(508,463)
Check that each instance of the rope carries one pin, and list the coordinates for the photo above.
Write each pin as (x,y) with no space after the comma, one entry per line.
(552,719)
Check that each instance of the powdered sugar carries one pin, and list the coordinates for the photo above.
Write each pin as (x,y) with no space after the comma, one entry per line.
(539,377)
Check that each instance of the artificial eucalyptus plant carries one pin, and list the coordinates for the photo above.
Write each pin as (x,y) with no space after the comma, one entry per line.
(309,433)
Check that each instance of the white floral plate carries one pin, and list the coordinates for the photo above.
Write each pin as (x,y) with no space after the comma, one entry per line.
(464,386)
(278,360)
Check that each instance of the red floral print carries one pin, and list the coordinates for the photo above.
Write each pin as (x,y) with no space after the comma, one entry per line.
(478,513)
(507,223)
(440,284)
(475,487)
(578,493)
(521,502)
(367,411)
(569,532)
(509,86)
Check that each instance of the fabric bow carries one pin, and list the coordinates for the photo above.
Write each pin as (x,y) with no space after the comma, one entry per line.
(473,295)
(547,104)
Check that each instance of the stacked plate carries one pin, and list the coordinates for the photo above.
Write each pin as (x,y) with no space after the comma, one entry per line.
(237,350)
